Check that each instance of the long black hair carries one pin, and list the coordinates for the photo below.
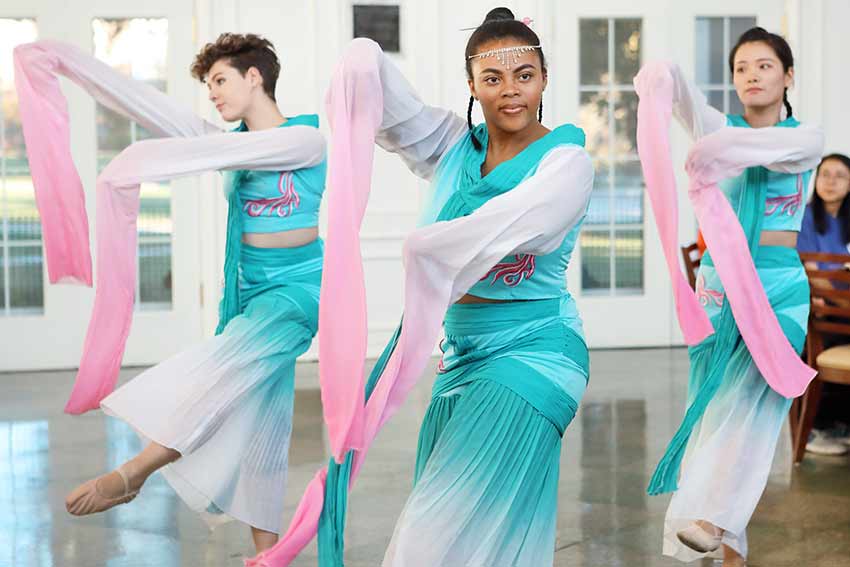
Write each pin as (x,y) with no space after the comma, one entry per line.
(779,46)
(819,207)
(499,23)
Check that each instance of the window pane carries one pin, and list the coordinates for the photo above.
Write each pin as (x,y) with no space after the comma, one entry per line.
(155,211)
(21,212)
(737,27)
(628,193)
(625,124)
(627,50)
(735,106)
(113,135)
(711,53)
(20,268)
(593,117)
(380,23)
(593,39)
(599,211)
(628,253)
(138,47)
(155,271)
(617,197)
(26,286)
(595,260)
(715,99)
(2,279)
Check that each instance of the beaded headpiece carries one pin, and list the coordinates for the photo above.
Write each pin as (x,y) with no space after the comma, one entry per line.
(507,56)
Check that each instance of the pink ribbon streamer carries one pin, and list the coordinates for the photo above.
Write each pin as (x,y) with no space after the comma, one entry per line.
(44,118)
(355,109)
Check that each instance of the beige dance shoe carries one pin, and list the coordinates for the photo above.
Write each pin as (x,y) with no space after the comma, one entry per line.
(701,539)
(88,499)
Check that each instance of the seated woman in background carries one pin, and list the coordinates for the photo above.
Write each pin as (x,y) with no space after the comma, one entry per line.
(826,228)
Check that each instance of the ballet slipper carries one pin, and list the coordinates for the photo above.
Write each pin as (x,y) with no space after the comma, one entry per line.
(88,499)
(699,538)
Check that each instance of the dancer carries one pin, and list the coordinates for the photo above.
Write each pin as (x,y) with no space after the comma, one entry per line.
(218,416)
(753,291)
(508,200)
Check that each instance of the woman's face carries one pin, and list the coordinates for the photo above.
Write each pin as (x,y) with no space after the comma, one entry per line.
(833,181)
(230,91)
(509,97)
(758,76)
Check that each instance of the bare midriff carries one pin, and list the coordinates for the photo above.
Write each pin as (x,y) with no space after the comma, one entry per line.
(778,238)
(282,239)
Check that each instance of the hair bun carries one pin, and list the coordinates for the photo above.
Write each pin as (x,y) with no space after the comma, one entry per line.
(497,14)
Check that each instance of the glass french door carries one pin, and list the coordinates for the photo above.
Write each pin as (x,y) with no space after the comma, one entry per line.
(43,326)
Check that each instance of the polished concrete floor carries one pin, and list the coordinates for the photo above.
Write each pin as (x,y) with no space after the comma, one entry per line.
(632,407)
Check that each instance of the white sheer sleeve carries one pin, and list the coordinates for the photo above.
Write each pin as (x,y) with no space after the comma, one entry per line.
(275,149)
(138,101)
(533,218)
(419,134)
(690,107)
(729,151)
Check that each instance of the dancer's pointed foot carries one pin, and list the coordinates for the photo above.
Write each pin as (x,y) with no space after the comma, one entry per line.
(101,493)
(701,536)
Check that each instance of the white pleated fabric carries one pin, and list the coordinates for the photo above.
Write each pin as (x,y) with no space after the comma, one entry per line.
(226,404)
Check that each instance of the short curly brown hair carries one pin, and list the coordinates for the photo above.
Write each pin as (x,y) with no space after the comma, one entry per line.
(242,51)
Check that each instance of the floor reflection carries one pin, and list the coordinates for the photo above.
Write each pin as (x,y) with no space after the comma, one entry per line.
(605,517)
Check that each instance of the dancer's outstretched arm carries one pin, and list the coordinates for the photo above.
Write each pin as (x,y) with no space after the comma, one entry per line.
(729,151)
(40,63)
(690,107)
(418,133)
(275,149)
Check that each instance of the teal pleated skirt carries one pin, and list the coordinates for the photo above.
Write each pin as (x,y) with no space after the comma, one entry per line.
(226,404)
(486,481)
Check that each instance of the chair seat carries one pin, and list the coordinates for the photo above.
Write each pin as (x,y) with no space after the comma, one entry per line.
(835,358)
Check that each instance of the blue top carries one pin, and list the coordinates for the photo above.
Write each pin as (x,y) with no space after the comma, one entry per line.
(785,192)
(830,242)
(274,201)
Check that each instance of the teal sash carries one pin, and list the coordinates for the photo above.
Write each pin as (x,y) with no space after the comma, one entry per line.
(469,190)
(750,210)
(230,306)
(459,190)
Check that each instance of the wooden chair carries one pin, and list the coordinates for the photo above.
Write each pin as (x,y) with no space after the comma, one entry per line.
(692,258)
(830,315)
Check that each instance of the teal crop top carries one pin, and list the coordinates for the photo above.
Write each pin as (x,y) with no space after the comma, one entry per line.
(274,201)
(523,276)
(786,193)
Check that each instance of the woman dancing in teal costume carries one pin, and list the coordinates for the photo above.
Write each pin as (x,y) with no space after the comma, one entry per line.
(728,437)
(509,197)
(218,416)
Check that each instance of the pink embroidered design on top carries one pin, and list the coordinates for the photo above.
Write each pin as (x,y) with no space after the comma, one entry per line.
(512,273)
(281,206)
(787,204)
(707,296)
